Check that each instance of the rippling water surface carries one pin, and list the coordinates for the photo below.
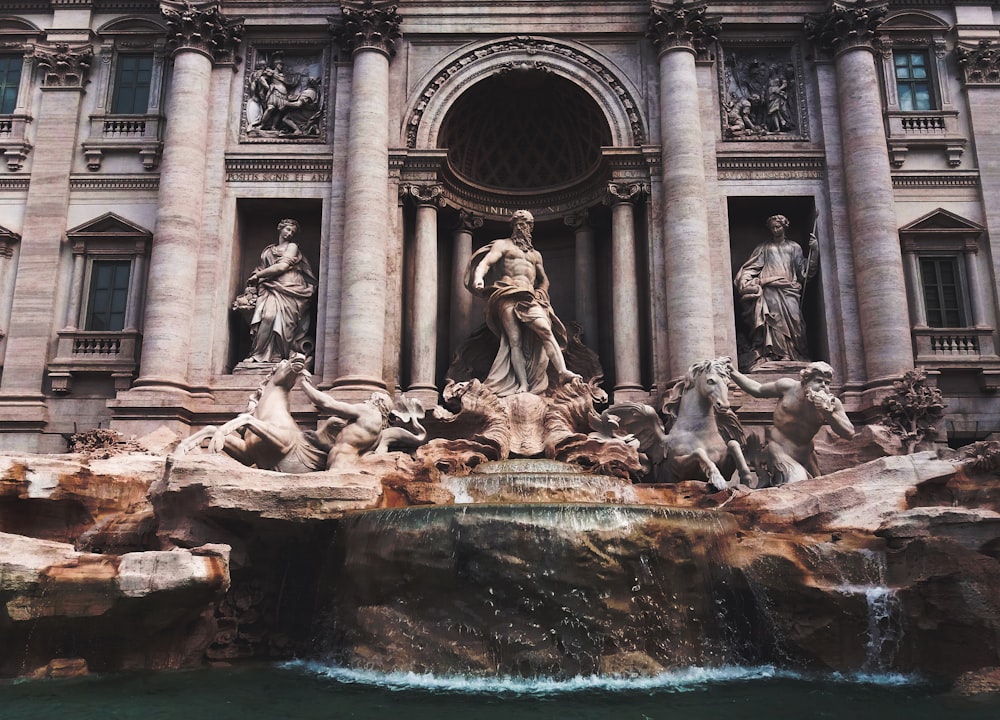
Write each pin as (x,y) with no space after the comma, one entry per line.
(304,691)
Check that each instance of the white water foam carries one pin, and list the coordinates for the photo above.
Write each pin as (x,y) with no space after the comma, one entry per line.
(683,680)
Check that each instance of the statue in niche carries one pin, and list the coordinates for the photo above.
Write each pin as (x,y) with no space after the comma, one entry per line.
(282,102)
(278,296)
(804,406)
(769,285)
(509,273)
(759,95)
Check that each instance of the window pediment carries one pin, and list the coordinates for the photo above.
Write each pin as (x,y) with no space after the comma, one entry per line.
(108,225)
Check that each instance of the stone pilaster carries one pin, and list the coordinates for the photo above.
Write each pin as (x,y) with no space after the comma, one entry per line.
(585,282)
(199,35)
(424,293)
(980,63)
(624,290)
(848,30)
(369,34)
(681,32)
(462,323)
(34,304)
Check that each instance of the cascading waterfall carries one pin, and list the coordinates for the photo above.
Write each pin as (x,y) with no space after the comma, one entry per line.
(538,589)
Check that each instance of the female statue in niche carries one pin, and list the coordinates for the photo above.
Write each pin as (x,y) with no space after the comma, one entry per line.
(770,285)
(280,291)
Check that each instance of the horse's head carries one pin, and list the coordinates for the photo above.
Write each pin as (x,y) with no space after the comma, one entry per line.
(711,378)
(287,371)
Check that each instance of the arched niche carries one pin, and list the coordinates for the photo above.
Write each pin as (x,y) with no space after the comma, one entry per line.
(610,89)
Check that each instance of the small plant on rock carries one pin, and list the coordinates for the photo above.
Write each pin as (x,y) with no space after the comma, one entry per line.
(913,409)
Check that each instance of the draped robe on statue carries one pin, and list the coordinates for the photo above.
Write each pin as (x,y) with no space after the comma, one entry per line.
(280,323)
(529,304)
(775,316)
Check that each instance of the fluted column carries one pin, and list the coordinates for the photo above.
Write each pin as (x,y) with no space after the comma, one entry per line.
(849,31)
(585,282)
(680,32)
(34,303)
(199,34)
(624,291)
(424,293)
(461,298)
(369,34)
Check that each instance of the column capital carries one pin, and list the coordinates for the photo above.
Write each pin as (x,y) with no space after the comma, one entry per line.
(64,65)
(846,25)
(578,220)
(626,192)
(201,27)
(467,221)
(431,194)
(980,62)
(371,26)
(682,25)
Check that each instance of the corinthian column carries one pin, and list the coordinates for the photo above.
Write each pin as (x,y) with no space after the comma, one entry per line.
(424,293)
(461,298)
(680,32)
(848,30)
(624,292)
(369,34)
(586,276)
(199,35)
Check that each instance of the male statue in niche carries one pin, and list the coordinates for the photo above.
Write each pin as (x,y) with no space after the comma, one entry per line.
(509,273)
(770,285)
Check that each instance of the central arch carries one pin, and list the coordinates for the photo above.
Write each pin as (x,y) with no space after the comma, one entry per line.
(597,77)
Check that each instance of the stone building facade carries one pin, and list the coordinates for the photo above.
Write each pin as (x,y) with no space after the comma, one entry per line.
(152,147)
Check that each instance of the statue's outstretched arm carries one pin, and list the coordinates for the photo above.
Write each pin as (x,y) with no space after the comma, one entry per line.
(325,402)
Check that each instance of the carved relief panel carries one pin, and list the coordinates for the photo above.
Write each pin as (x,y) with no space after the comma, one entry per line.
(762,92)
(285,94)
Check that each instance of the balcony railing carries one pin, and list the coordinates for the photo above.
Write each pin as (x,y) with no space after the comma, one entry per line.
(953,344)
(13,141)
(930,129)
(124,133)
(86,351)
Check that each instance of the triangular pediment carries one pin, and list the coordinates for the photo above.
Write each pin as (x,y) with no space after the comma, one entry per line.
(941,220)
(109,225)
(8,235)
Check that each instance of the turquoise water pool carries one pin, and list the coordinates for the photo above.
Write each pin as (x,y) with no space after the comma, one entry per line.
(304,691)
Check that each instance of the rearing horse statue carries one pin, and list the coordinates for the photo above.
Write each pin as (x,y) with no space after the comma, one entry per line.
(704,437)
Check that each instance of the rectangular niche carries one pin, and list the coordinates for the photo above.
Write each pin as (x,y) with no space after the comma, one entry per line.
(285,93)
(762,92)
(748,229)
(256,228)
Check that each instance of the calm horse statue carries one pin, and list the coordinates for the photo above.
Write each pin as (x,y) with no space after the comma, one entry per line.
(266,435)
(704,437)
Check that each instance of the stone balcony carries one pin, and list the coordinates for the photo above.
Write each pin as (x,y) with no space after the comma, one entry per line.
(960,349)
(13,140)
(85,351)
(930,129)
(124,133)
